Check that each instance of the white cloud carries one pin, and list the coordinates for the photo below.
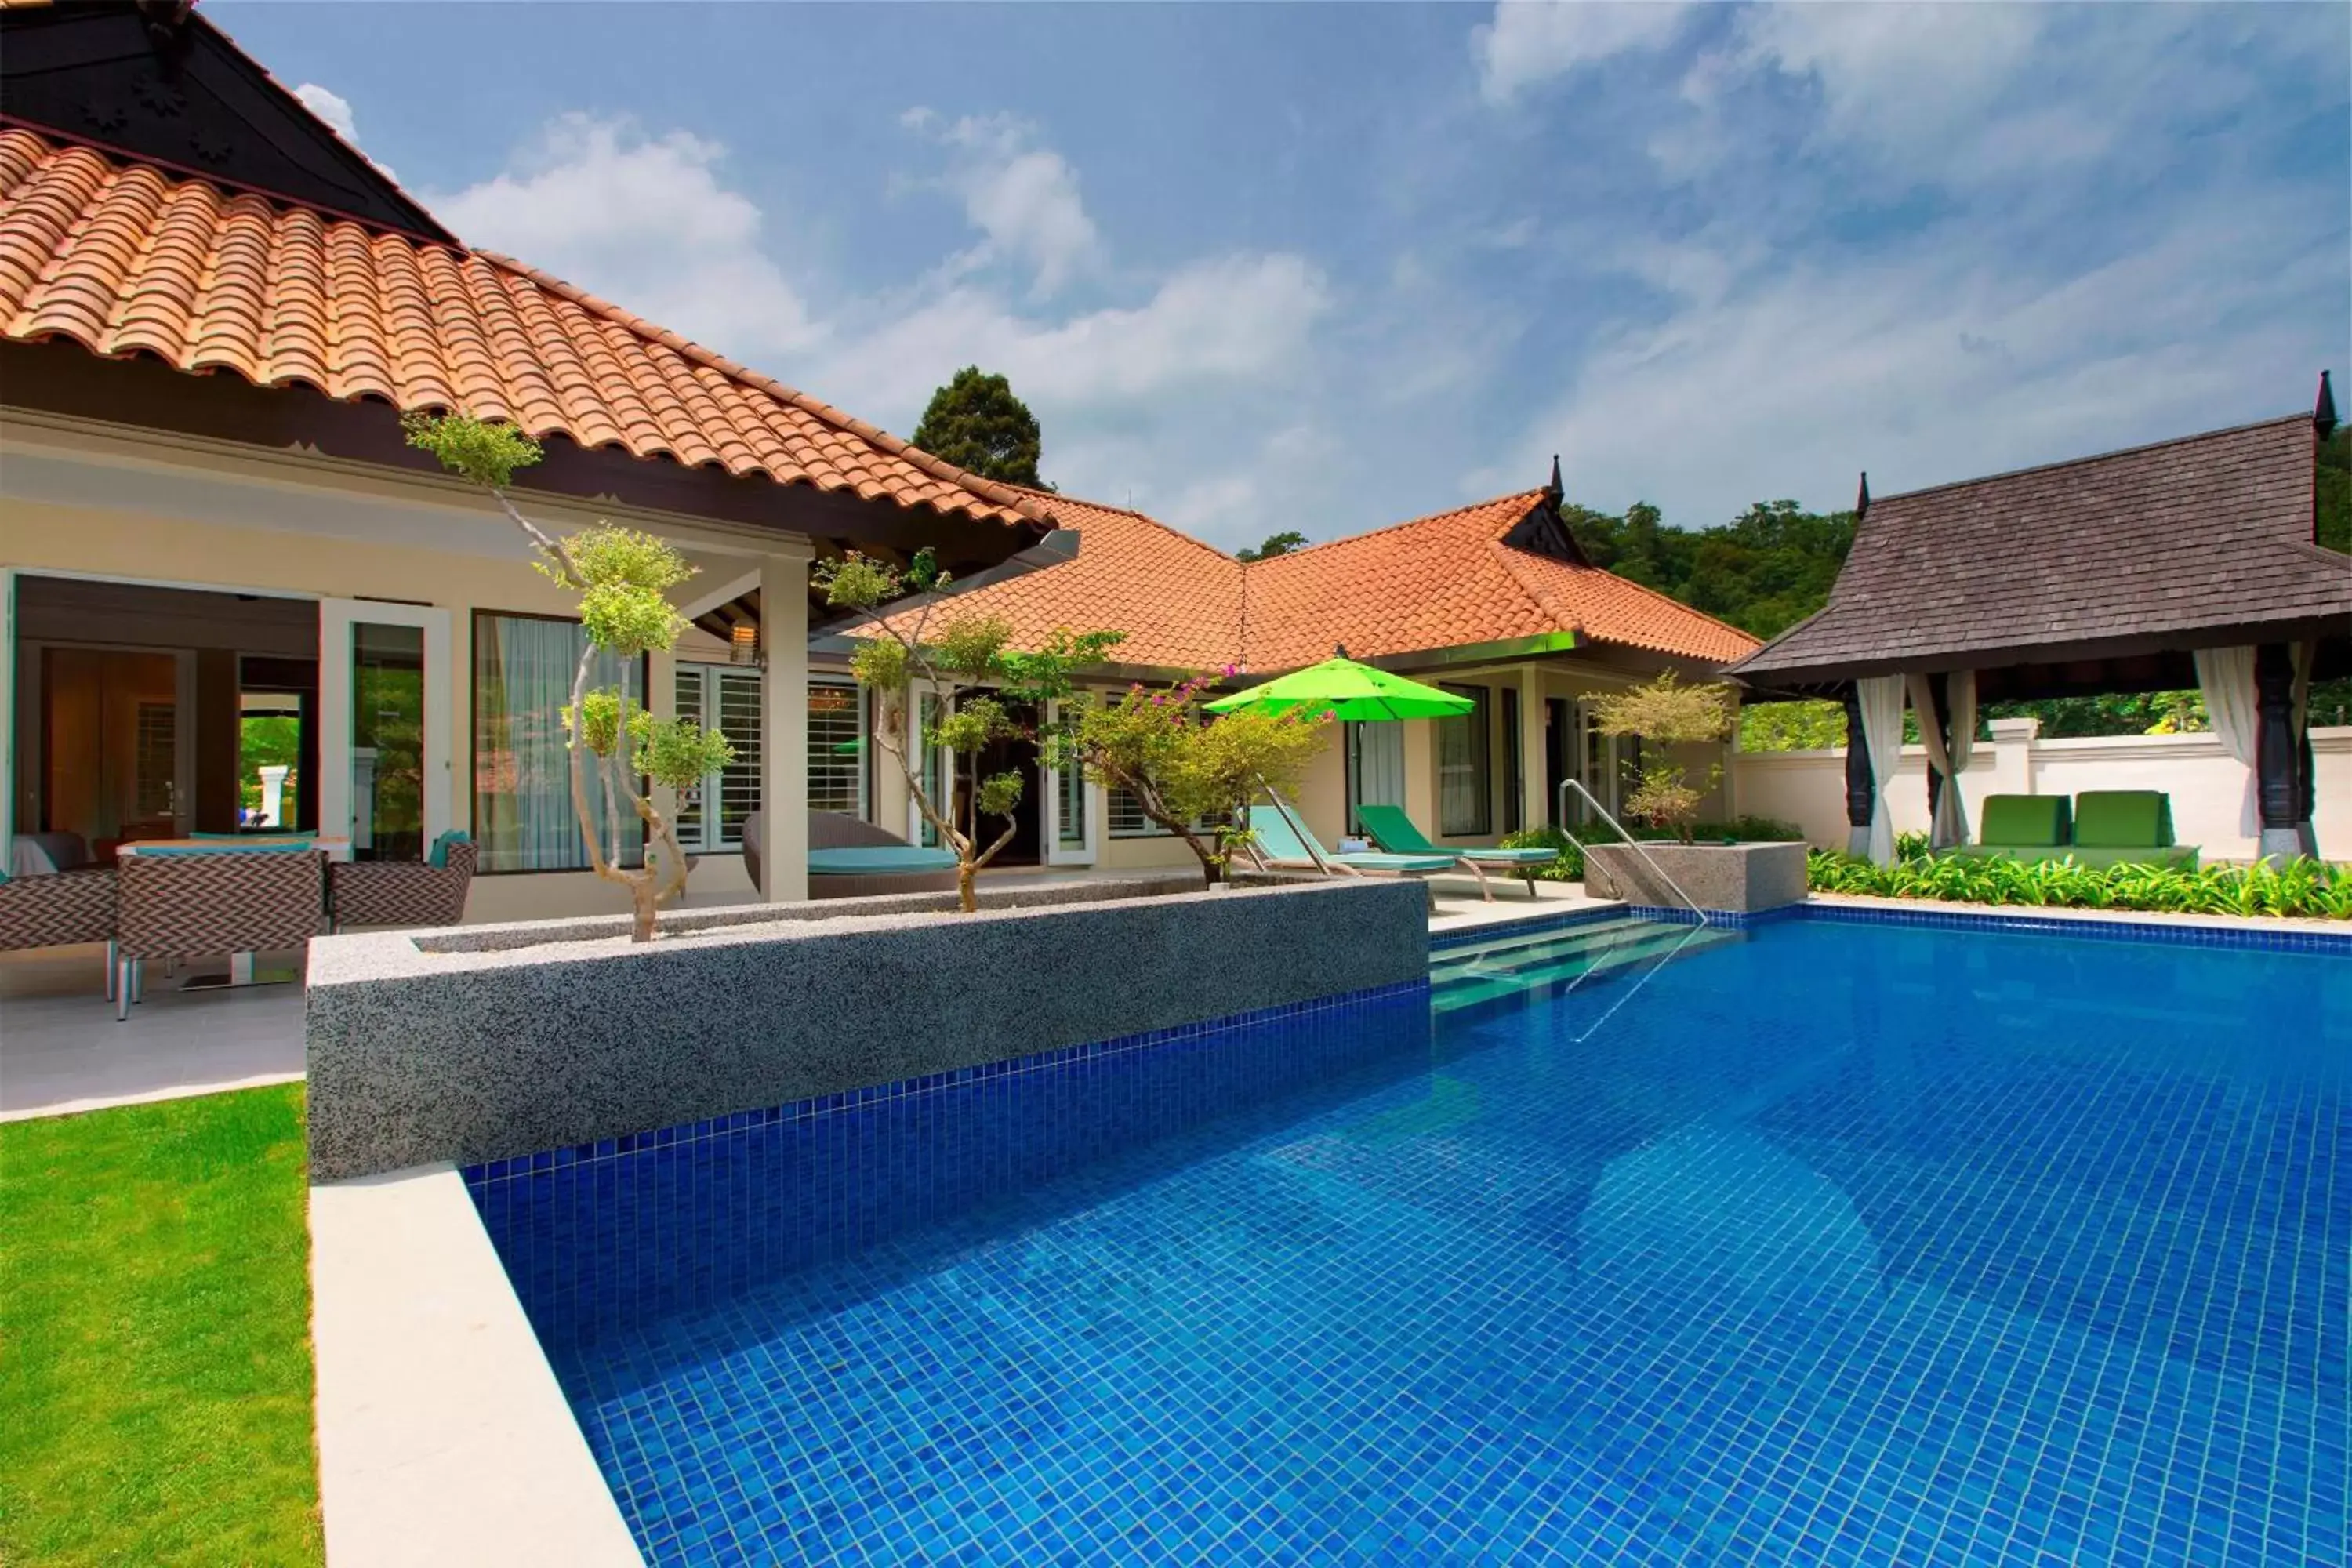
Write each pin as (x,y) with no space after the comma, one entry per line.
(1163,396)
(1024,198)
(643,221)
(336,110)
(1531,41)
(1227,318)
(1938,363)
(331,107)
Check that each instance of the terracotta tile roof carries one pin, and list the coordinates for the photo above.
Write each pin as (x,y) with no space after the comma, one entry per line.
(1451,581)
(2209,532)
(1177,600)
(1447,580)
(126,259)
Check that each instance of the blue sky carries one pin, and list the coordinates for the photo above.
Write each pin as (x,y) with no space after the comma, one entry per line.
(1329,266)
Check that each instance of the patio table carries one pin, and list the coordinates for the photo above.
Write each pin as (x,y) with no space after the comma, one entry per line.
(240,964)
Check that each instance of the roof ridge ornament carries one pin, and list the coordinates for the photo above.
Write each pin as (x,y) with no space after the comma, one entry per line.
(1554,489)
(2322,411)
(1862,498)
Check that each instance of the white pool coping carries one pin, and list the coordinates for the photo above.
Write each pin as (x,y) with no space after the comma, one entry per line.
(443,1437)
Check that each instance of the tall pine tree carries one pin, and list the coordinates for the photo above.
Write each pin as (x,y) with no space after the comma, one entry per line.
(976,422)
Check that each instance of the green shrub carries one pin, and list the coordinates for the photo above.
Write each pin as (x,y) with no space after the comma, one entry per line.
(2306,889)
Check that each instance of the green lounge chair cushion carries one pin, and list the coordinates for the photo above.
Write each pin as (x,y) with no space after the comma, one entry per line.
(1393,831)
(1283,838)
(2123,819)
(2024,821)
(879,861)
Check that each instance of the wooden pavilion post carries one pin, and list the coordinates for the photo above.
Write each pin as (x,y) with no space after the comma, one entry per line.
(2278,753)
(1859,792)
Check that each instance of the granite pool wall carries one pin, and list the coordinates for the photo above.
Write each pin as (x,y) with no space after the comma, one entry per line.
(489,1043)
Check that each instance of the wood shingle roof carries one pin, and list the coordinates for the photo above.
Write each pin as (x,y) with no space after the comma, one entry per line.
(2198,541)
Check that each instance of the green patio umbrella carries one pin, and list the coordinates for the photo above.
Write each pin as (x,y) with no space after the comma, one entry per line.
(1346,690)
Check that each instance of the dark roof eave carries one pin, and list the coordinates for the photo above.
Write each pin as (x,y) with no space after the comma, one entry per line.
(1797,674)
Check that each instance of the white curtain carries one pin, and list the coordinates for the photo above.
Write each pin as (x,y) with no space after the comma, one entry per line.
(523,818)
(1881,699)
(2226,677)
(1951,824)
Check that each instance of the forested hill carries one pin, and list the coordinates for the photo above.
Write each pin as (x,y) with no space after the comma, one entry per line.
(1763,571)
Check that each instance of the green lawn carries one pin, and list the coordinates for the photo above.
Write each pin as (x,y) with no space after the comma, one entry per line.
(155,1335)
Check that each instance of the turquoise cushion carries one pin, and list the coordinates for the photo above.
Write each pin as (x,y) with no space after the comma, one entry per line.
(878,860)
(279,846)
(440,854)
(258,833)
(1395,862)
(1510,856)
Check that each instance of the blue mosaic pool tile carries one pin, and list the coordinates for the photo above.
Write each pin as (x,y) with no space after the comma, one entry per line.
(603,1233)
(1852,1243)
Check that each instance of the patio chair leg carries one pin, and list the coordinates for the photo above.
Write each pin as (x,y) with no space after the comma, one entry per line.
(1485,888)
(120,989)
(113,961)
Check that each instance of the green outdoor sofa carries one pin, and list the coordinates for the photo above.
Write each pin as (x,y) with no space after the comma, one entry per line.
(2100,827)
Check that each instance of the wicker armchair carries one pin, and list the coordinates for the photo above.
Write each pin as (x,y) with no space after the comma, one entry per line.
(402,892)
(198,906)
(60,910)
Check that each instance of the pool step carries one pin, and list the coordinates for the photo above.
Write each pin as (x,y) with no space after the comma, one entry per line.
(1540,961)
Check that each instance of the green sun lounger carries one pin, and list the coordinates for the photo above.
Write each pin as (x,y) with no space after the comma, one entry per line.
(1393,831)
(1282,840)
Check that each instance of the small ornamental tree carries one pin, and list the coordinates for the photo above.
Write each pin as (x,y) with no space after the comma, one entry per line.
(1673,714)
(1184,767)
(622,577)
(982,689)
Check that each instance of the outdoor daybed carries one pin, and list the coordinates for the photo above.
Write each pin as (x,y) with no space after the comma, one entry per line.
(2102,827)
(851,859)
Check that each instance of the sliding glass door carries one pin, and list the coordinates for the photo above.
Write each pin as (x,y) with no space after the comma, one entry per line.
(385,771)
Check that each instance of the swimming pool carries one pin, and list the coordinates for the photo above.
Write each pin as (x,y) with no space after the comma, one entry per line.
(1822,1243)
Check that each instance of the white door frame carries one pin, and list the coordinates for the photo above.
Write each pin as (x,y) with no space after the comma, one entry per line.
(923,767)
(1049,815)
(336,619)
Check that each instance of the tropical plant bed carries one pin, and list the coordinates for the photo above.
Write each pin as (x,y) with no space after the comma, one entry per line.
(2297,890)
(155,1355)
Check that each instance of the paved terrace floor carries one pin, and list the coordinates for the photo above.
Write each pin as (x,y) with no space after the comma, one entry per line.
(62,1051)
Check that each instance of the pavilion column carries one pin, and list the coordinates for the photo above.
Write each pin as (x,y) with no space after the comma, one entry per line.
(2307,767)
(2278,753)
(1859,791)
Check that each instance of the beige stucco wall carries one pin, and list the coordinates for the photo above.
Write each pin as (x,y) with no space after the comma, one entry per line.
(182,514)
(2206,785)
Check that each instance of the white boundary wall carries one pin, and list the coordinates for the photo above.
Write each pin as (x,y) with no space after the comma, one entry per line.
(1809,788)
